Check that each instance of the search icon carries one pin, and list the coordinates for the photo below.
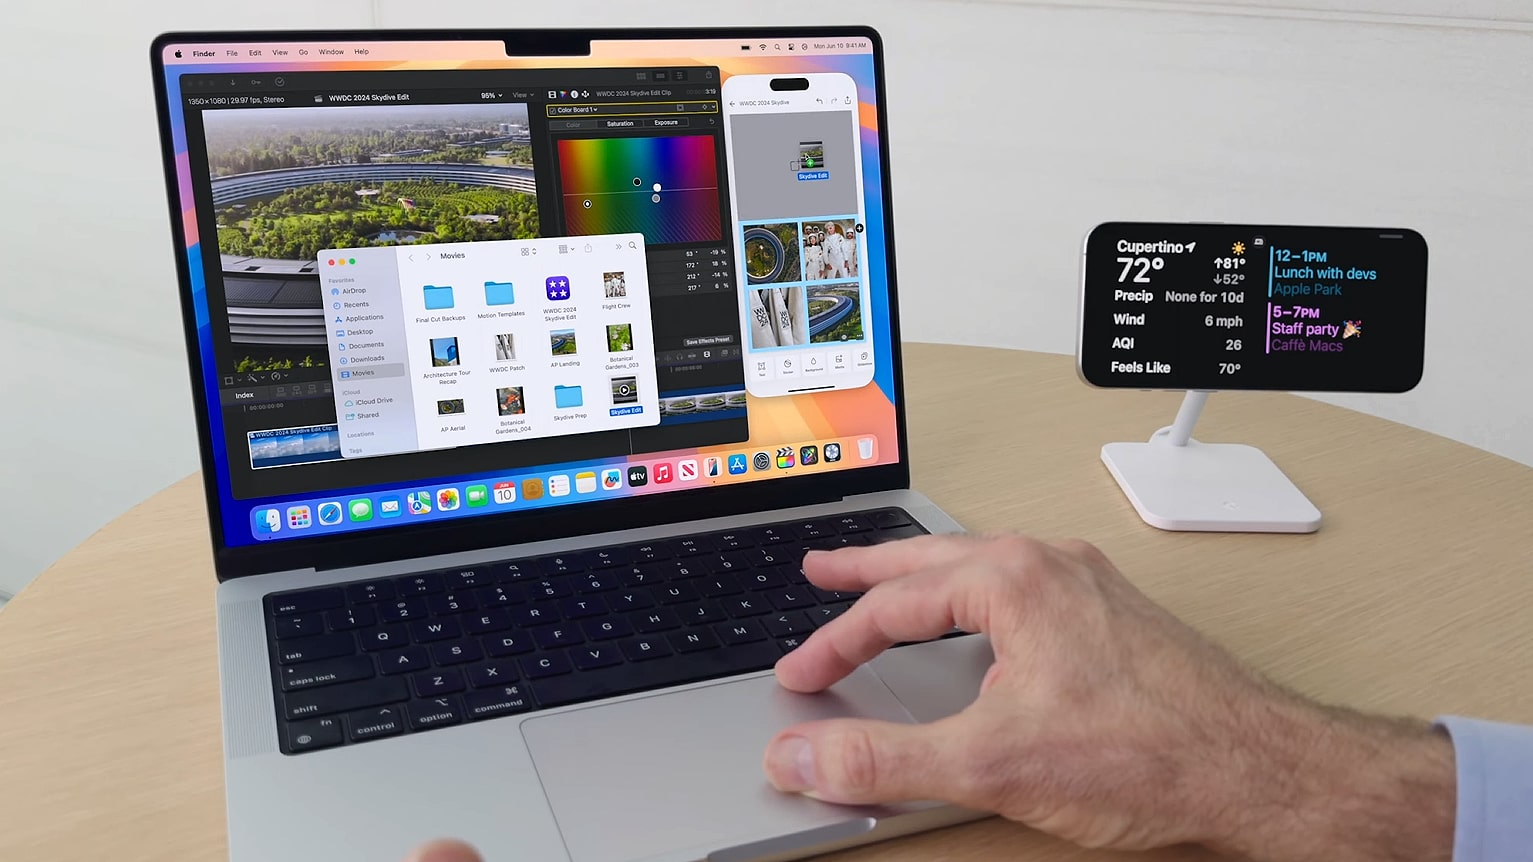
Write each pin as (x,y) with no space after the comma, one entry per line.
(632,244)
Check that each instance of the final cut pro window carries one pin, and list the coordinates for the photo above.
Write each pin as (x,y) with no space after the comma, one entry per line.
(300,163)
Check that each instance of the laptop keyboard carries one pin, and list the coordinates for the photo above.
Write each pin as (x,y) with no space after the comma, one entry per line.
(407,654)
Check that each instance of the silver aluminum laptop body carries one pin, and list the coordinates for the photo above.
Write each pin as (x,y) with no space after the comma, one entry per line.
(668,775)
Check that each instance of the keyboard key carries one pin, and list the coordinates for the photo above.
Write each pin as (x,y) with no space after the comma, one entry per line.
(556,588)
(331,699)
(434,712)
(462,651)
(790,599)
(372,591)
(719,585)
(740,632)
(825,613)
(504,645)
(681,570)
(852,523)
(644,676)
(517,570)
(788,645)
(462,579)
(581,607)
(657,620)
(814,529)
(771,535)
(763,558)
(527,616)
(484,622)
(599,582)
(748,605)
(650,552)
(563,564)
(644,575)
(306,602)
(315,648)
(405,660)
(346,619)
(545,665)
(671,594)
(313,735)
(731,541)
(435,682)
(375,723)
(445,604)
(402,610)
(492,702)
(630,600)
(691,546)
(723,564)
(646,648)
(593,656)
(693,640)
(896,534)
(700,612)
(501,596)
(299,625)
(548,637)
(606,629)
(832,596)
(430,631)
(317,673)
(491,673)
(383,637)
(418,585)
(761,579)
(788,624)
(885,519)
(607,558)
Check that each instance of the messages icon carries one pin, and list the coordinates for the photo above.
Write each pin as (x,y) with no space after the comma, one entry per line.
(437,298)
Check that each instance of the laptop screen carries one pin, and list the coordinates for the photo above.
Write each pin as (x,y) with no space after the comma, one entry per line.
(432,281)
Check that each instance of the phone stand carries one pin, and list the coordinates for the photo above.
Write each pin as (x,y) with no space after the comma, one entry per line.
(1178,483)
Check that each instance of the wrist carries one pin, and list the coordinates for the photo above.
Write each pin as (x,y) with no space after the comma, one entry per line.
(1317,783)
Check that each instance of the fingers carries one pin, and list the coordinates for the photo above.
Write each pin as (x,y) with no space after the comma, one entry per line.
(916,608)
(444,850)
(858,568)
(857,761)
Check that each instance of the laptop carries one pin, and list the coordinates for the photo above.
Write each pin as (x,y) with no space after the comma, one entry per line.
(527,367)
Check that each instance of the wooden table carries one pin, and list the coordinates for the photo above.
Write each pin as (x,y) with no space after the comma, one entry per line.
(1415,597)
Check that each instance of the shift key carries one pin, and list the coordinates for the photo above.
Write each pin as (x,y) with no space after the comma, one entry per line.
(344,698)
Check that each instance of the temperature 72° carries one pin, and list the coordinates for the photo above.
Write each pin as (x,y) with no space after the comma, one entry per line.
(1144,265)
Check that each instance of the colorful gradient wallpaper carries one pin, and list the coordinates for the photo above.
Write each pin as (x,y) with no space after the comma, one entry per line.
(859,423)
(676,199)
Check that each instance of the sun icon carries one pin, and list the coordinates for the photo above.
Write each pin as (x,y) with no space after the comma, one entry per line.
(1239,248)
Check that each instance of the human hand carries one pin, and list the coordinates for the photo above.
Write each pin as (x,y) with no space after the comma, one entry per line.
(1104,720)
(444,850)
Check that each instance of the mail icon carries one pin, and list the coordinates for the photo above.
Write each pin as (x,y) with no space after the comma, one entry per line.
(566,397)
(499,293)
(438,298)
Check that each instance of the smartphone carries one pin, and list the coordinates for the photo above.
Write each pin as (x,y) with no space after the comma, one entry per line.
(796,191)
(1224,306)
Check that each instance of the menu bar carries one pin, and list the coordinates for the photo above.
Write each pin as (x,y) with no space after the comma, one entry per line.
(756,45)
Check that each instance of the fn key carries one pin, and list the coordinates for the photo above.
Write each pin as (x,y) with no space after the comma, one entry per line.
(313,735)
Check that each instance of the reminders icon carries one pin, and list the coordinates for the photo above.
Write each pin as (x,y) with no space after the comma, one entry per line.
(437,298)
(499,293)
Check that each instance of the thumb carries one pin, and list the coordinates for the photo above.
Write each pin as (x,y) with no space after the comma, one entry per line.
(444,850)
(857,761)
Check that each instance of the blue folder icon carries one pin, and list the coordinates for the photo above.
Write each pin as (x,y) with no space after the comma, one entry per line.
(438,297)
(567,396)
(499,293)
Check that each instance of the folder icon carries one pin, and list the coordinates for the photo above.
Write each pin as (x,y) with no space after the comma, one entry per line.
(499,293)
(438,298)
(566,397)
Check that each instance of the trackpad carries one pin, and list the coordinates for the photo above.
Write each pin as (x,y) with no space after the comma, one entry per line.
(682,771)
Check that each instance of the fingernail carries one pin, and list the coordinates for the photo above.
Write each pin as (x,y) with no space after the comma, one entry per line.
(793,765)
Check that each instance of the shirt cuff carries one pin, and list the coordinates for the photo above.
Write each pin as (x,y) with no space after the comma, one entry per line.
(1494,763)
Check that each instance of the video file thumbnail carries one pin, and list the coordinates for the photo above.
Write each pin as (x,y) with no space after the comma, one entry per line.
(772,254)
(835,313)
(778,317)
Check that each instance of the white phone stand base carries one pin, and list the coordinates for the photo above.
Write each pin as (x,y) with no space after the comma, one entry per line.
(1178,483)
